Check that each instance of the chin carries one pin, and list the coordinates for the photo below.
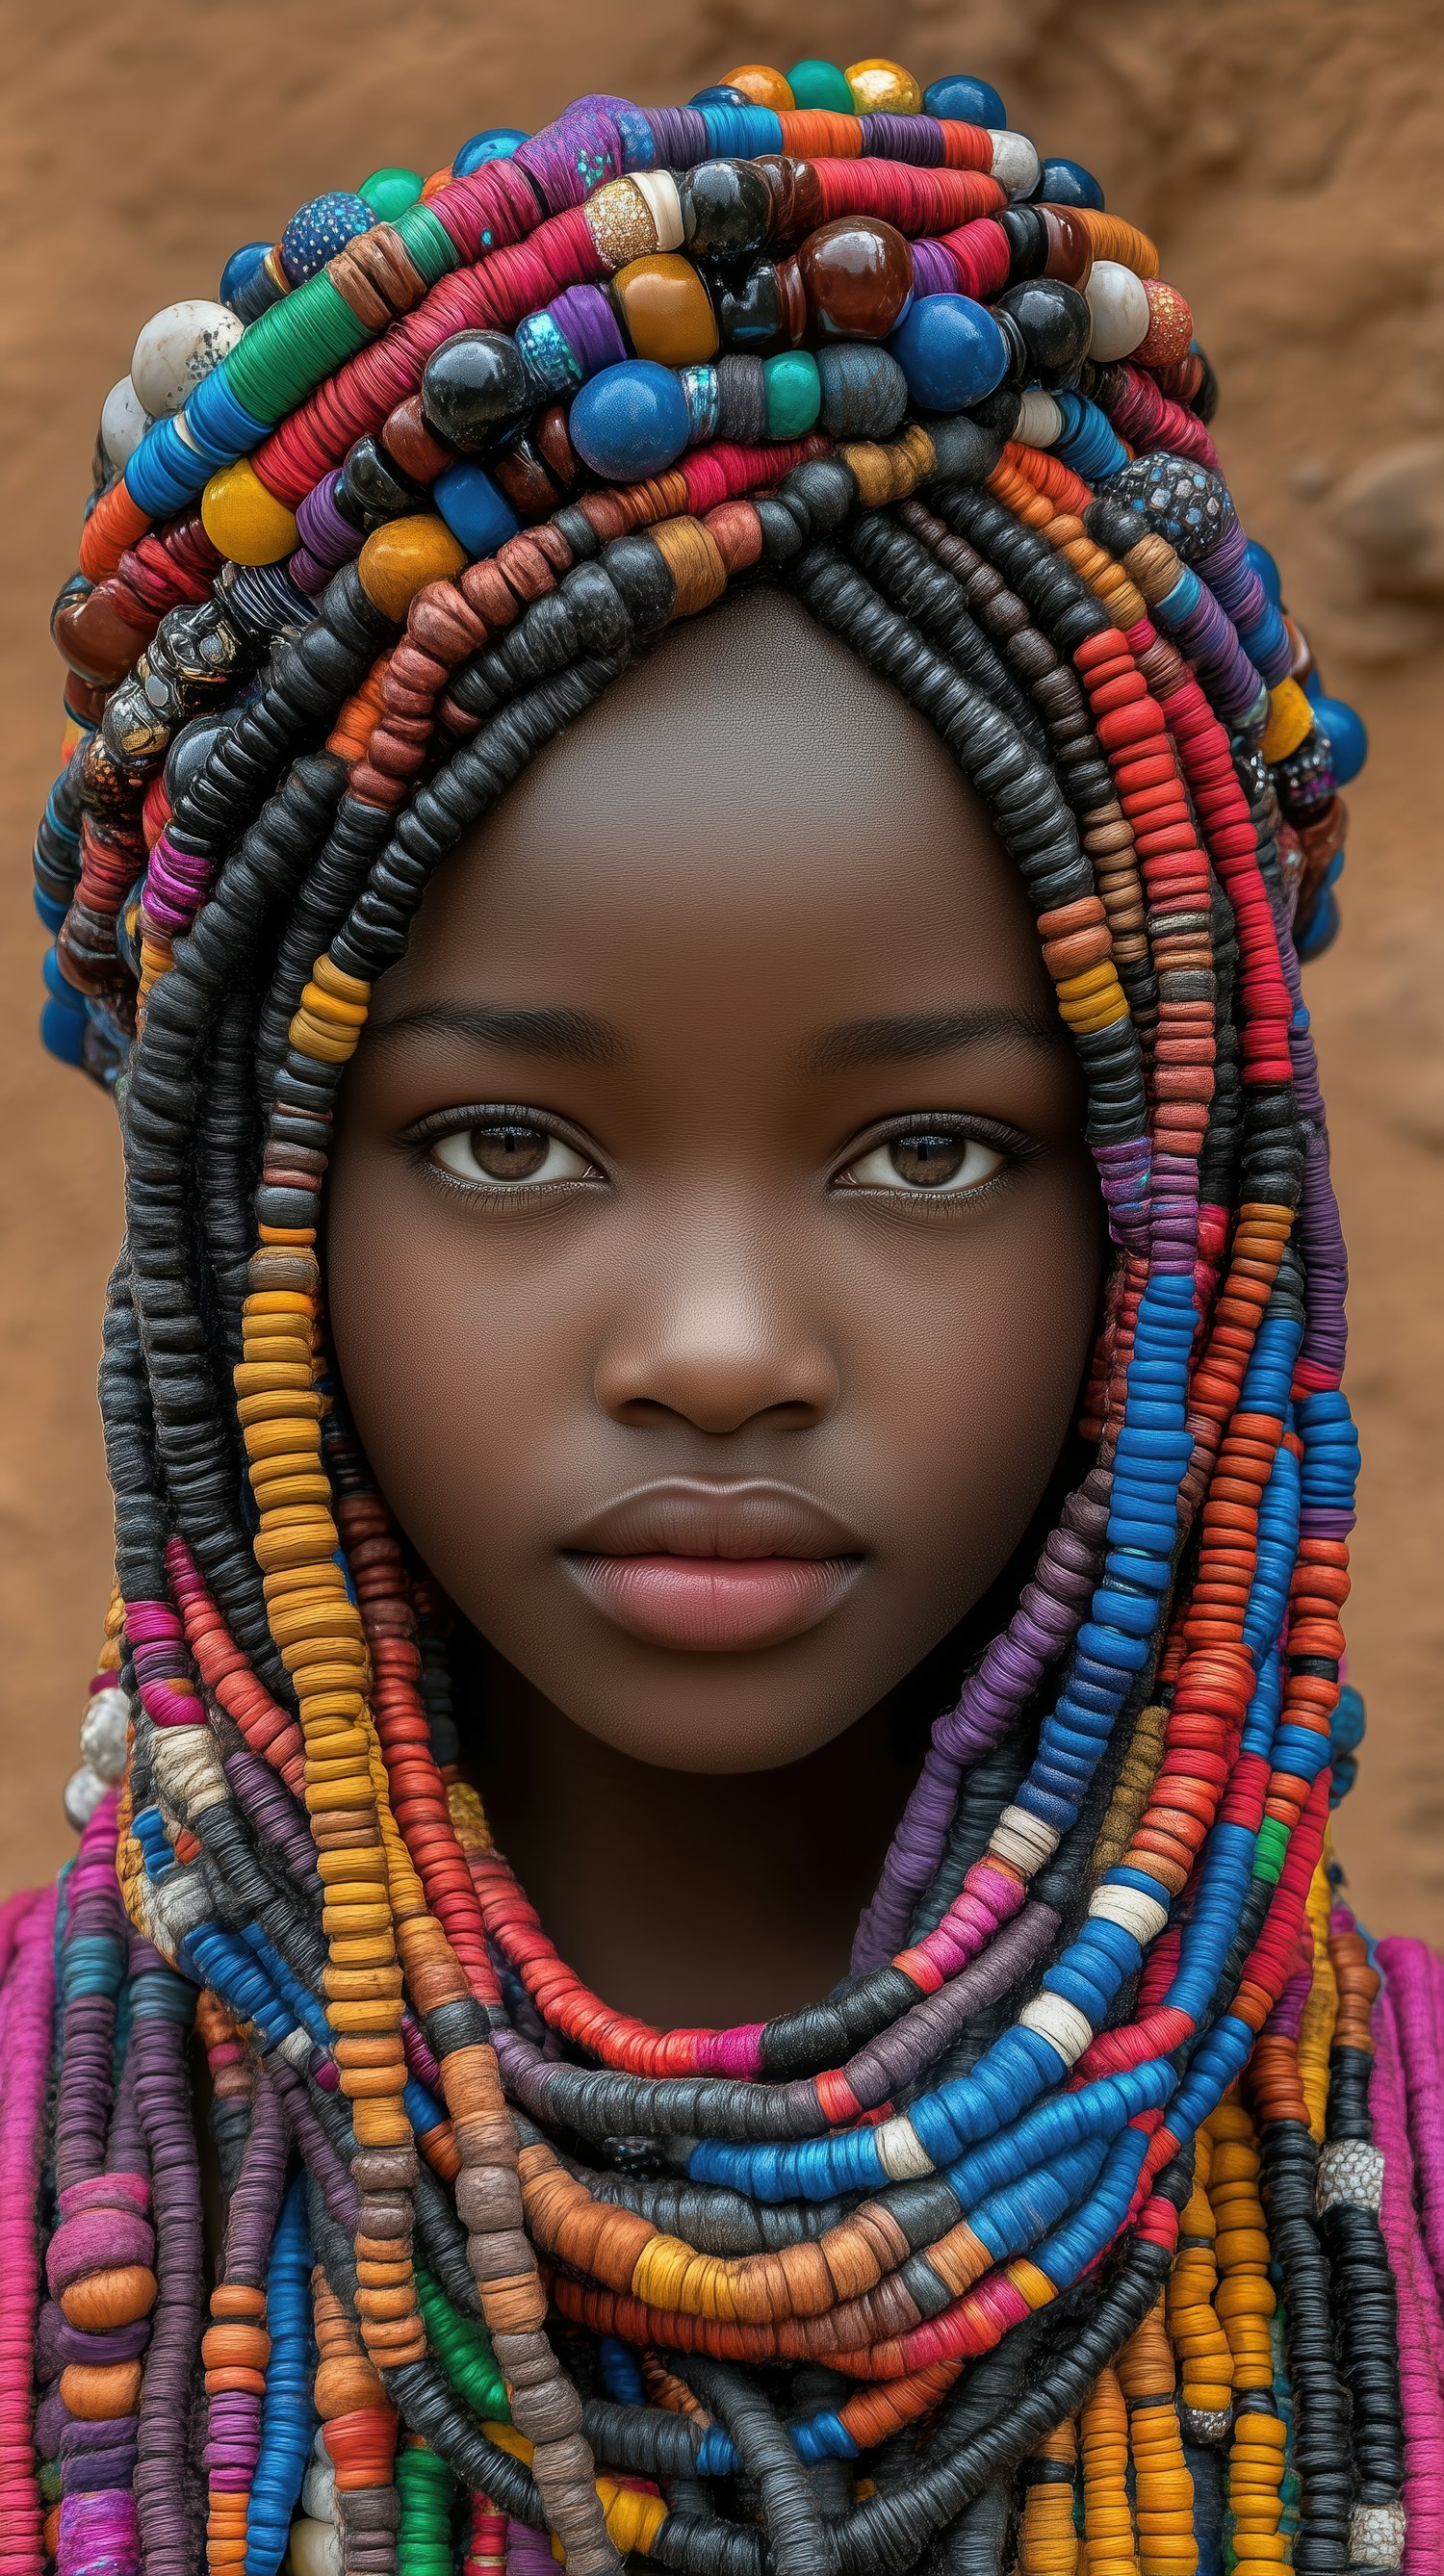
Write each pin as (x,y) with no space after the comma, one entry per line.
(717,1714)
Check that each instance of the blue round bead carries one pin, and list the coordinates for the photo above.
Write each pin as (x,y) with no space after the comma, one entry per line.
(62,1031)
(1067,183)
(721,94)
(1348,739)
(239,270)
(319,229)
(494,143)
(475,509)
(951,352)
(630,421)
(965,100)
(1267,570)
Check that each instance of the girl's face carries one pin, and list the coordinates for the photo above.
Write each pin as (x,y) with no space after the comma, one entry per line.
(712,1251)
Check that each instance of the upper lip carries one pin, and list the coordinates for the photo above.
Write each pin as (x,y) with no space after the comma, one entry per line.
(705,1516)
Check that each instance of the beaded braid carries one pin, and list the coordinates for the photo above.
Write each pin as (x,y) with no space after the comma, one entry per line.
(973,2256)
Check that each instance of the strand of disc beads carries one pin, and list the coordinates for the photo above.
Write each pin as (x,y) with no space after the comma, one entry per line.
(1055,2238)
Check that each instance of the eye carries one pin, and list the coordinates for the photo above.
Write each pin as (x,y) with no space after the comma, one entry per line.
(503,1153)
(927,1161)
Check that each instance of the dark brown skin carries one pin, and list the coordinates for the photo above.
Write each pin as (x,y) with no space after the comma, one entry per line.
(812,1242)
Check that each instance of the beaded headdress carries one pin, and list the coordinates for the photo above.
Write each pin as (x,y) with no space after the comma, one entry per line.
(972,2255)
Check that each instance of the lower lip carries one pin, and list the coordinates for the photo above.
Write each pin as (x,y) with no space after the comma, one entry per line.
(714,1604)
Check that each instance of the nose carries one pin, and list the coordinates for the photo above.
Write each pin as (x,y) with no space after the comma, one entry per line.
(716,1337)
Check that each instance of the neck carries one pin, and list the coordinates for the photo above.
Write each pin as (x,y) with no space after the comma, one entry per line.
(687,1897)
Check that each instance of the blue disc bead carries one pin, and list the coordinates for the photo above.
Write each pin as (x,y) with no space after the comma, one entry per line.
(1067,183)
(494,143)
(630,421)
(475,509)
(951,352)
(965,100)
(1348,740)
(240,270)
(321,228)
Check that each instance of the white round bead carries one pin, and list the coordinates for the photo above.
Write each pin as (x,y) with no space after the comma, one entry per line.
(1059,2022)
(124,421)
(1015,161)
(315,2549)
(1143,1916)
(318,2493)
(1119,308)
(83,1793)
(105,1731)
(1040,422)
(660,190)
(178,346)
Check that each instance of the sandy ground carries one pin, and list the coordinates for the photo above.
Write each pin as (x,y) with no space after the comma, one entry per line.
(1281,152)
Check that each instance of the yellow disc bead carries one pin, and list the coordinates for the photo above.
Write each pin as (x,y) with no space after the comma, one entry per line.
(882,88)
(764,86)
(400,558)
(668,310)
(1290,719)
(245,521)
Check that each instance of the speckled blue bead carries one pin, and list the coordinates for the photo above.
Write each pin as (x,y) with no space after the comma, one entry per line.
(630,421)
(1348,739)
(1067,183)
(967,101)
(475,509)
(721,94)
(951,352)
(494,143)
(319,229)
(239,273)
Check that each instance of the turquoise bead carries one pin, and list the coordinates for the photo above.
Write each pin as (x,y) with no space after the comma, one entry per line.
(793,392)
(630,421)
(496,143)
(814,83)
(389,192)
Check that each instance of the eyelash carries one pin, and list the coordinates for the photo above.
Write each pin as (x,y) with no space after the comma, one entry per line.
(1016,1149)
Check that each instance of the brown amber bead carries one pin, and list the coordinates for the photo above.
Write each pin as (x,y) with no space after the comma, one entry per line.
(667,310)
(857,275)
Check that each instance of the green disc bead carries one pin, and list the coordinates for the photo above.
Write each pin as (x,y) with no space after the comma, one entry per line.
(463,2349)
(792,390)
(292,348)
(428,241)
(1273,1843)
(428,2494)
(814,83)
(389,192)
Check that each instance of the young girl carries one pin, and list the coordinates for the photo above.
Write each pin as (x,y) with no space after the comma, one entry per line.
(682,717)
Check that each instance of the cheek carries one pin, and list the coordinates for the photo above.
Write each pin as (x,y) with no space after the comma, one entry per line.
(969,1383)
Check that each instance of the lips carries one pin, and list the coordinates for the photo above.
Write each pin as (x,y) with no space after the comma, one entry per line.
(707,1567)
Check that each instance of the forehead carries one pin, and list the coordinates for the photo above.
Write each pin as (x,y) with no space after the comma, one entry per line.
(751,805)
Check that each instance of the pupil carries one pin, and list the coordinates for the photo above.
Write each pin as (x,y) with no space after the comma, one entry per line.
(509,1153)
(928,1161)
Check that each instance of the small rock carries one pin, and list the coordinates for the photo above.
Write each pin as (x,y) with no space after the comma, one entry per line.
(1391,513)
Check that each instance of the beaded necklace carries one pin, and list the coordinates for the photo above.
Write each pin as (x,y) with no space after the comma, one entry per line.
(976,2262)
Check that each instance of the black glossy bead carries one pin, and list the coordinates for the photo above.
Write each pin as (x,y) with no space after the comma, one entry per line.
(1055,323)
(998,413)
(1027,240)
(760,311)
(726,209)
(474,386)
(189,751)
(372,487)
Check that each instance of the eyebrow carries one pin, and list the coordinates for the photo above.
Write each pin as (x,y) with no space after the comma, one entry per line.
(550,1031)
(897,1037)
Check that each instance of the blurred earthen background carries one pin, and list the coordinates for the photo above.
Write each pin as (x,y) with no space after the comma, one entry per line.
(1284,153)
